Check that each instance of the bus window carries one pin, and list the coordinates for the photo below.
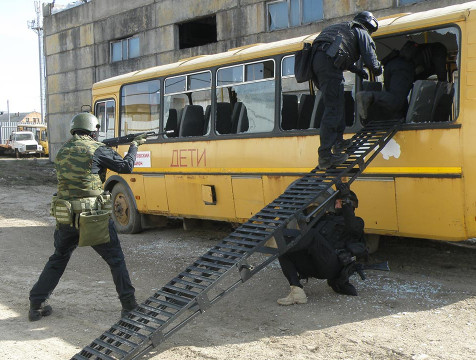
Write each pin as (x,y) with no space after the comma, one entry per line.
(187,104)
(245,98)
(105,112)
(300,109)
(435,55)
(140,107)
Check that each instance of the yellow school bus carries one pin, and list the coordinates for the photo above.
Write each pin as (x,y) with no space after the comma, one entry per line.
(244,129)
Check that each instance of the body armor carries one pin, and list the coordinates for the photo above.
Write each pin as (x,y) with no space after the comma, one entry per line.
(73,169)
(349,45)
(333,229)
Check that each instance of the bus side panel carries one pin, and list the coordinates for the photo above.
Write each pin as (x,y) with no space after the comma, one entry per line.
(248,195)
(274,186)
(156,193)
(435,205)
(377,204)
(136,183)
(186,197)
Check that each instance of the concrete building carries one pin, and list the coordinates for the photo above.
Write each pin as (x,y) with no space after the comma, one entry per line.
(98,39)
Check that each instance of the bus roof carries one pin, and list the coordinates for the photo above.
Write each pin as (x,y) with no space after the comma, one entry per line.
(390,24)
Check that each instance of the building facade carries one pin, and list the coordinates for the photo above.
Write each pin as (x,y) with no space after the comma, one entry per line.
(103,38)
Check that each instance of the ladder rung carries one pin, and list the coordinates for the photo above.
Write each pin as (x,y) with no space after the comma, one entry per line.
(182,292)
(244,234)
(204,262)
(118,338)
(181,299)
(141,316)
(79,357)
(235,247)
(136,324)
(122,329)
(189,283)
(198,277)
(156,310)
(219,259)
(108,346)
(97,353)
(241,242)
(237,255)
(204,271)
(164,303)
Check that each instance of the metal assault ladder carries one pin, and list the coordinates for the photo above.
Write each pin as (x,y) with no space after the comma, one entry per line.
(216,273)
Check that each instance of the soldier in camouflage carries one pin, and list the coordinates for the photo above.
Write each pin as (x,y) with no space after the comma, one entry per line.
(81,166)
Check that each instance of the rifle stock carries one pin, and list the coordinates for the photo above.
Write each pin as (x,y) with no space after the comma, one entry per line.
(120,140)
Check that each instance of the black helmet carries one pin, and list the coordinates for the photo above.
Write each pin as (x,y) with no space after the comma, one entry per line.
(367,20)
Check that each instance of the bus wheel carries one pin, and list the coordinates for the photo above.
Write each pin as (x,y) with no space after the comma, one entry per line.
(17,154)
(126,217)
(373,241)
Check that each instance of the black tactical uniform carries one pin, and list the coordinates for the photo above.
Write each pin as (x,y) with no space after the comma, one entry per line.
(355,42)
(327,249)
(80,177)
(391,103)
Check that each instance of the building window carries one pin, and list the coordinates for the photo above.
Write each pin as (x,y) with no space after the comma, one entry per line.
(288,13)
(198,32)
(125,49)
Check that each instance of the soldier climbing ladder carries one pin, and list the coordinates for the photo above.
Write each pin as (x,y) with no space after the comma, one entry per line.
(216,273)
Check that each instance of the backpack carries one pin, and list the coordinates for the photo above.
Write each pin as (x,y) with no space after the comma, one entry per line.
(303,63)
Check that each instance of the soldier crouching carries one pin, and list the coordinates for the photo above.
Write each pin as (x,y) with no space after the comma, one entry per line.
(327,251)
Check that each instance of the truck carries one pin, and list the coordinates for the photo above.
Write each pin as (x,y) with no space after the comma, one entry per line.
(22,143)
(41,134)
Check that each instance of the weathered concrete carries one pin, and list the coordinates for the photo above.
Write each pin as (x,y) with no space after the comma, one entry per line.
(77,40)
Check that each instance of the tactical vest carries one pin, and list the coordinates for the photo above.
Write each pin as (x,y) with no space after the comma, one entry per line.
(73,169)
(332,228)
(349,45)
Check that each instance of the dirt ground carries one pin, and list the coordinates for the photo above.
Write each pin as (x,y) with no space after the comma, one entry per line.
(424,309)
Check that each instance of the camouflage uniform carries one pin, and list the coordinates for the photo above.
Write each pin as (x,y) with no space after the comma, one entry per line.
(81,166)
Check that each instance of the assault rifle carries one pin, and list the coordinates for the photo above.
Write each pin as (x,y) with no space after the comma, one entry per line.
(359,268)
(120,140)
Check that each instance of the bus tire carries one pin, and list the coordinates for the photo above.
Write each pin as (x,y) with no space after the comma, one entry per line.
(373,241)
(125,215)
(17,154)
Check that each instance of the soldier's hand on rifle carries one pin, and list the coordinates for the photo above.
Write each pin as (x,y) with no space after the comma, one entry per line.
(139,140)
(344,190)
(363,74)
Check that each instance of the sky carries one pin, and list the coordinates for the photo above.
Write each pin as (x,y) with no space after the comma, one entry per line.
(19,62)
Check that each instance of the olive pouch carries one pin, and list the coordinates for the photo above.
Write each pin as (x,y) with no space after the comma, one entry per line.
(94,227)
(62,211)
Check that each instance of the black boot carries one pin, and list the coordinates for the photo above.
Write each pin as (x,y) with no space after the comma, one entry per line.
(127,305)
(341,146)
(331,160)
(38,310)
(344,288)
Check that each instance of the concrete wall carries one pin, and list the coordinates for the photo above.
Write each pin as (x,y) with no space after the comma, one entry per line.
(77,40)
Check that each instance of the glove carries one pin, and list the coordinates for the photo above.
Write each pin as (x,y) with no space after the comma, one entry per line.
(379,71)
(363,74)
(344,190)
(139,140)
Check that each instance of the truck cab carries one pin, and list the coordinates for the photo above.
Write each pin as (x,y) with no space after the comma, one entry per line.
(24,143)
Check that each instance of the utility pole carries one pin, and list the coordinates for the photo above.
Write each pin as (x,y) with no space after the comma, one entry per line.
(35,25)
